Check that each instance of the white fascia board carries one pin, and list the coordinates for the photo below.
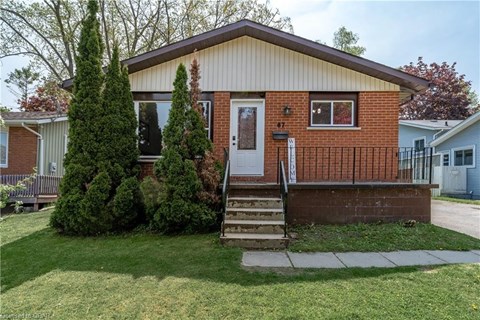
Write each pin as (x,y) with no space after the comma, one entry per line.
(40,121)
(418,126)
(458,128)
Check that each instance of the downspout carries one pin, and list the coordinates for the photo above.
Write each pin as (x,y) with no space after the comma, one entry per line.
(40,138)
(436,134)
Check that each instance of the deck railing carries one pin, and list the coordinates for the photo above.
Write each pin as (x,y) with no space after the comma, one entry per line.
(357,164)
(34,185)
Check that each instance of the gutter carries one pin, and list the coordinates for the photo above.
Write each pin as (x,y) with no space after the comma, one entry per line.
(40,157)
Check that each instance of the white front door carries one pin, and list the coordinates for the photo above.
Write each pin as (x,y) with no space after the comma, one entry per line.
(247,137)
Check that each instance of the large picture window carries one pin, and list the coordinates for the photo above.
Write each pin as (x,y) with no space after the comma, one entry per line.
(332,113)
(152,119)
(3,149)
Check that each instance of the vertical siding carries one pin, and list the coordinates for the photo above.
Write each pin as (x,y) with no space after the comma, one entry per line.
(247,64)
(54,145)
(407,134)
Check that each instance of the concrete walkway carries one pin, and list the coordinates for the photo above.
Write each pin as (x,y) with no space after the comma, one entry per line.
(269,259)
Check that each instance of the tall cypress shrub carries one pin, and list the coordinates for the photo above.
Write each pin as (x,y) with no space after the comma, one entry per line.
(119,151)
(180,209)
(99,191)
(72,213)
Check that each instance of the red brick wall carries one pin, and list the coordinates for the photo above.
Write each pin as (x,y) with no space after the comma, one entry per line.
(377,118)
(146,169)
(22,151)
(221,123)
(370,204)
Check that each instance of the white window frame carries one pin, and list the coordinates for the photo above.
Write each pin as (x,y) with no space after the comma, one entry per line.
(209,119)
(331,113)
(137,113)
(443,155)
(424,138)
(452,156)
(5,131)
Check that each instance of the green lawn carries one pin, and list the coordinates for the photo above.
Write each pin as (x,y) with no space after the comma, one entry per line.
(466,201)
(382,237)
(144,276)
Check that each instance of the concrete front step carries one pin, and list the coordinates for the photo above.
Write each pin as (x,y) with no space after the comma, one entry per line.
(254,241)
(254,226)
(254,214)
(239,189)
(254,202)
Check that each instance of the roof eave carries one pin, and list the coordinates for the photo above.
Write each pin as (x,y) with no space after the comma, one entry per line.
(422,126)
(34,121)
(457,129)
(214,37)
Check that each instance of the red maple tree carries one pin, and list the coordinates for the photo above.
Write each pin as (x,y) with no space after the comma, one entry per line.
(49,97)
(448,97)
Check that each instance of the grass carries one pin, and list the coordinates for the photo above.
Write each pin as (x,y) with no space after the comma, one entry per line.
(457,200)
(382,237)
(17,226)
(145,276)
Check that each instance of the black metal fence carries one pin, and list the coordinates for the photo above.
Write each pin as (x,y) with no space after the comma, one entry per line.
(357,164)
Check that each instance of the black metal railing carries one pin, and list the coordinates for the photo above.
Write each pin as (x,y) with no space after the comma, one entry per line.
(357,164)
(283,194)
(225,186)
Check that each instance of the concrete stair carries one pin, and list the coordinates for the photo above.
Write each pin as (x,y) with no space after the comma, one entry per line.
(254,223)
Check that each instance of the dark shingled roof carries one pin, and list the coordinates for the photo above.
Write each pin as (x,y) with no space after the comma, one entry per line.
(409,84)
(26,116)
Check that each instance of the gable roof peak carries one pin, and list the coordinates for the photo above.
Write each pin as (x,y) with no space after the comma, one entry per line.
(409,84)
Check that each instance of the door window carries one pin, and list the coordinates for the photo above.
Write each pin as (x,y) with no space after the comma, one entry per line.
(247,128)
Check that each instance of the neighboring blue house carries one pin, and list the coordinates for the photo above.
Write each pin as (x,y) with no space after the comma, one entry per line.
(460,151)
(419,133)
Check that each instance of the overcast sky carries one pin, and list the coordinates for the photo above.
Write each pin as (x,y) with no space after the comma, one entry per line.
(394,32)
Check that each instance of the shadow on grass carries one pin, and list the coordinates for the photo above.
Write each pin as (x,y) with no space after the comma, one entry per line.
(139,255)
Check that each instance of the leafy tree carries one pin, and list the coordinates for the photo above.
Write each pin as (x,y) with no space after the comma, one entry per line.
(21,82)
(449,97)
(346,40)
(49,31)
(48,97)
(180,209)
(99,192)
(4,109)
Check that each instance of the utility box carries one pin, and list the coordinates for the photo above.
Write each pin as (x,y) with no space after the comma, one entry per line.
(52,167)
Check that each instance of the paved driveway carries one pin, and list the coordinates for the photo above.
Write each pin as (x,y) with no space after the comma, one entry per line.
(464,218)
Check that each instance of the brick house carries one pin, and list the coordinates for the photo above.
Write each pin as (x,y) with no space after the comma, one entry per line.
(32,140)
(261,86)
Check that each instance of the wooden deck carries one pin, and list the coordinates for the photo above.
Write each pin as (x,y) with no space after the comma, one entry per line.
(38,189)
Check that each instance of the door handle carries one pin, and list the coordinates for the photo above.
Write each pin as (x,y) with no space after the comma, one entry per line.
(233,139)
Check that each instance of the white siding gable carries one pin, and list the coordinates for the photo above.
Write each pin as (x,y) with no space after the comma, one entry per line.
(248,64)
